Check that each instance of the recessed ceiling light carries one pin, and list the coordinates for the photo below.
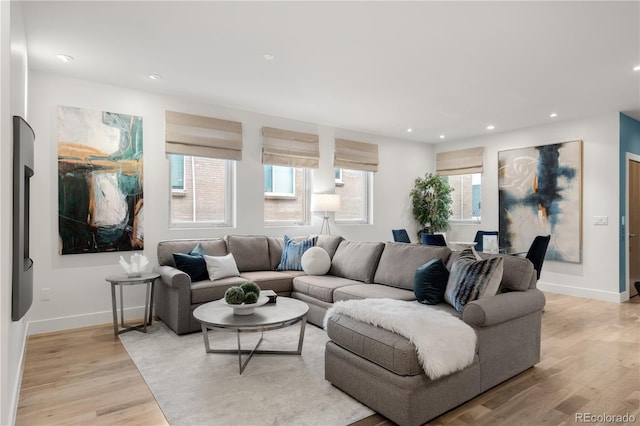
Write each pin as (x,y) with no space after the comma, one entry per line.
(64,58)
(155,77)
(409,130)
(636,68)
(491,127)
(441,136)
(268,57)
(553,115)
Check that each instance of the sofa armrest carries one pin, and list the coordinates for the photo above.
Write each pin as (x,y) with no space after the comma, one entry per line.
(503,307)
(173,277)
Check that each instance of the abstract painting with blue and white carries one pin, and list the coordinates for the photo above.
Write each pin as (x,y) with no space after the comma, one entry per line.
(100,198)
(540,193)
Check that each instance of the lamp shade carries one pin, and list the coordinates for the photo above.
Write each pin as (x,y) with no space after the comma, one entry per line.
(325,203)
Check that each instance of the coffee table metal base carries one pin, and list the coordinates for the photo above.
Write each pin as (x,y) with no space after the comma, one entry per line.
(242,365)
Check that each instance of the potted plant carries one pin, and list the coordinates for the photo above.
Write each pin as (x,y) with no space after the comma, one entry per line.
(431,199)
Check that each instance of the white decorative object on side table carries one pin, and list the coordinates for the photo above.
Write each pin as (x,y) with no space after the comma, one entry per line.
(137,265)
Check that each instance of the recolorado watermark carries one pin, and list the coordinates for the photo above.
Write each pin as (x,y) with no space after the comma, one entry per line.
(605,418)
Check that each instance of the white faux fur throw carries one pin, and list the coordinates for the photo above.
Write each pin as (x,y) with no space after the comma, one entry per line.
(445,344)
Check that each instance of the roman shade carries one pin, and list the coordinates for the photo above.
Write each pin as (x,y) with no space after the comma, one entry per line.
(290,149)
(356,155)
(465,161)
(198,136)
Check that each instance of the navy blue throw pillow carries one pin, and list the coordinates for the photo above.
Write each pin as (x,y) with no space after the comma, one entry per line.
(194,266)
(430,282)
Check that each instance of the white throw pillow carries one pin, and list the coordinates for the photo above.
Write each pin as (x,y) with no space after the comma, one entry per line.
(315,261)
(221,266)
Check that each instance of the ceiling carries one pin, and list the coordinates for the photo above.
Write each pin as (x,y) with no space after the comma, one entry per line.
(439,68)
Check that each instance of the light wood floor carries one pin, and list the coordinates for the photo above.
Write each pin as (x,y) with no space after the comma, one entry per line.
(590,364)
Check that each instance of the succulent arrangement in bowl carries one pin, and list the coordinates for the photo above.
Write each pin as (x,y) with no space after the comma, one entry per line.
(247,293)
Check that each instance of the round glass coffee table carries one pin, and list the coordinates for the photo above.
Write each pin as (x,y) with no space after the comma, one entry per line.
(284,313)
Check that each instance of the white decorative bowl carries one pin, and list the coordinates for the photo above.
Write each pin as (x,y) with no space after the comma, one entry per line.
(246,308)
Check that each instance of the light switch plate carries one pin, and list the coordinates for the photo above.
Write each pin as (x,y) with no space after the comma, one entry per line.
(601,220)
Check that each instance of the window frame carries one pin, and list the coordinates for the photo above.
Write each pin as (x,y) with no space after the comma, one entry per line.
(282,195)
(473,219)
(368,208)
(229,205)
(305,221)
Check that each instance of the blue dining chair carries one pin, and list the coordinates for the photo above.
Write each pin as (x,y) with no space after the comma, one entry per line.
(433,239)
(400,236)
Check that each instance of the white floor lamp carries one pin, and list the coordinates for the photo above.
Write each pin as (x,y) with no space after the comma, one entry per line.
(326,203)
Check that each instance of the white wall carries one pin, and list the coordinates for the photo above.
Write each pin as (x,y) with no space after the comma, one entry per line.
(597,276)
(13,72)
(79,294)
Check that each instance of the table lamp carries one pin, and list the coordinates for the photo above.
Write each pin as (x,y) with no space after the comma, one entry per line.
(326,203)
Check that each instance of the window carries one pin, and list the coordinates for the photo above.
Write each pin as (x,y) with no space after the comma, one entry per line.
(279,181)
(200,191)
(354,189)
(177,172)
(466,196)
(285,195)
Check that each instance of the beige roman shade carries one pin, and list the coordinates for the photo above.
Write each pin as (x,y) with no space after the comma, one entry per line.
(291,149)
(199,136)
(465,161)
(356,155)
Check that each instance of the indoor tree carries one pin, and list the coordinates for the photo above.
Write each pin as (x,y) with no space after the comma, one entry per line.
(431,199)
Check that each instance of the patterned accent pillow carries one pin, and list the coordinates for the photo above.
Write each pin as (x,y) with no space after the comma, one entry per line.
(472,279)
(292,253)
(430,282)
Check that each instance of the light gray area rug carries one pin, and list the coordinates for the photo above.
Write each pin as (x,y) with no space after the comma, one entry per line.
(193,387)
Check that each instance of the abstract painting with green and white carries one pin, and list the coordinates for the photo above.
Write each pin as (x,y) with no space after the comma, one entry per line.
(100,198)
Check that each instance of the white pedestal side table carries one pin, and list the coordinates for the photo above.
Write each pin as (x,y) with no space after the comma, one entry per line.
(122,280)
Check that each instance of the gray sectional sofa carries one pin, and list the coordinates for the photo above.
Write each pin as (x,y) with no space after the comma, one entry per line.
(375,366)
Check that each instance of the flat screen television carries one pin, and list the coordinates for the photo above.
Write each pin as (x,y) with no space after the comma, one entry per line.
(22,281)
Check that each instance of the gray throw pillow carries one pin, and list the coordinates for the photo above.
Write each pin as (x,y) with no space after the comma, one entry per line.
(472,279)
(430,282)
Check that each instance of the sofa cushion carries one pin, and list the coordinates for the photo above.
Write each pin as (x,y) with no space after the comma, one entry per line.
(280,282)
(211,246)
(292,253)
(356,260)
(371,291)
(330,243)
(399,262)
(471,279)
(194,266)
(221,266)
(251,252)
(430,282)
(320,287)
(519,273)
(207,291)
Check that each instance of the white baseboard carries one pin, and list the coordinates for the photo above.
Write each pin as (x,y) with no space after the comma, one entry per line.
(77,321)
(17,384)
(606,296)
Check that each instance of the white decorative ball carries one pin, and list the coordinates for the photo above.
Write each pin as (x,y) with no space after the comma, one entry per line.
(315,261)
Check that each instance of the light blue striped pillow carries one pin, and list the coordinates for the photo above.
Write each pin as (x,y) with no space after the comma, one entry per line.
(292,253)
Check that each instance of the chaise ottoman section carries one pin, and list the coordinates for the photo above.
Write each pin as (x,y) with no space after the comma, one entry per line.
(407,400)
